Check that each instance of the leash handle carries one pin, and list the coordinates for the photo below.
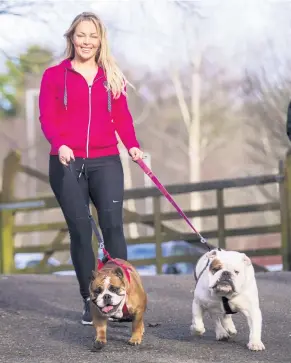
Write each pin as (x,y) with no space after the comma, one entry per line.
(164,191)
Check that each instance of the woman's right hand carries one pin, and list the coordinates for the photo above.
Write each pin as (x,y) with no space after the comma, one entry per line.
(65,155)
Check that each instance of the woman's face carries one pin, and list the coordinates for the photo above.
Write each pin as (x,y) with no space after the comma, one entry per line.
(86,40)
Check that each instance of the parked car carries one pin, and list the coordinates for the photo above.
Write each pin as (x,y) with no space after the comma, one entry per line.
(148,250)
(277,267)
(171,248)
(135,252)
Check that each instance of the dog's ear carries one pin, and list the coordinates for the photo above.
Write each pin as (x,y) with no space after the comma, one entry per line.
(246,259)
(211,254)
(94,275)
(119,273)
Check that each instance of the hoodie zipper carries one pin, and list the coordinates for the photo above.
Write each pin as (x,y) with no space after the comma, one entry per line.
(89,122)
(90,112)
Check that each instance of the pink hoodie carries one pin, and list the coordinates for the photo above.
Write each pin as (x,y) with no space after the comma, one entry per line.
(83,117)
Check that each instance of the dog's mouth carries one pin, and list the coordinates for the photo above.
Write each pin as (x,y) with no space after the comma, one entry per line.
(224,287)
(108,309)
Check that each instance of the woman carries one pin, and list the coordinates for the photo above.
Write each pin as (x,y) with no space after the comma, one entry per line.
(82,103)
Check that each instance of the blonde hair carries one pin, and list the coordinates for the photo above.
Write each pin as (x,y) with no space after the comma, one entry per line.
(116,81)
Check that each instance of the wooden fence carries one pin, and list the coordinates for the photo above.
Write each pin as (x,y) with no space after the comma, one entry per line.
(10,206)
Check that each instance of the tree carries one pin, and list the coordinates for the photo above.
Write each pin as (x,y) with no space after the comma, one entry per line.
(200,102)
(265,94)
(12,8)
(265,113)
(20,8)
(12,83)
(190,94)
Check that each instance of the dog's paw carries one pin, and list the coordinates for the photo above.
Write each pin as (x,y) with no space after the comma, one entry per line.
(232,331)
(197,329)
(135,340)
(98,345)
(222,334)
(256,346)
(229,326)
(222,337)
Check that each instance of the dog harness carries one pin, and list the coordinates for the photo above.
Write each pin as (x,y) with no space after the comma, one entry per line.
(107,257)
(225,300)
(226,306)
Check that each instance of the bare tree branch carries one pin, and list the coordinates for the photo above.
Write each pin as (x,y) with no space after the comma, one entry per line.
(23,9)
(190,8)
(10,7)
(265,107)
(181,98)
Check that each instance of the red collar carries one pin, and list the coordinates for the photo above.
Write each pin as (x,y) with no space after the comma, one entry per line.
(125,269)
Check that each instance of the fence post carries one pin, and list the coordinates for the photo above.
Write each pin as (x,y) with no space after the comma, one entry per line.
(10,169)
(285,208)
(220,218)
(158,234)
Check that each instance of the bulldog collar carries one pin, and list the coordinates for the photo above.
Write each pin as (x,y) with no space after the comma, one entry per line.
(226,306)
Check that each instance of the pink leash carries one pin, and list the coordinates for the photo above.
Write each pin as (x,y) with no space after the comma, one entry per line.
(164,191)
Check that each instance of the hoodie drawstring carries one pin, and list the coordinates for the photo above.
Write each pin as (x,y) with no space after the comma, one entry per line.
(108,96)
(65,91)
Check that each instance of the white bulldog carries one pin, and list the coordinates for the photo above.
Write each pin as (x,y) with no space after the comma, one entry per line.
(226,284)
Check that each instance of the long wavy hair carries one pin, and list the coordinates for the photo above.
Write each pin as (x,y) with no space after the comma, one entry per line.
(116,81)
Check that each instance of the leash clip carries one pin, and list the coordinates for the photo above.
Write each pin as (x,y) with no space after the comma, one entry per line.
(202,239)
(82,168)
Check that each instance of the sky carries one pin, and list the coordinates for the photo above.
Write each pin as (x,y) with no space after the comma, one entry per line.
(158,34)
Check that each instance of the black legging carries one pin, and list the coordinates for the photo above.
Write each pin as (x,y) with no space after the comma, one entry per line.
(101,181)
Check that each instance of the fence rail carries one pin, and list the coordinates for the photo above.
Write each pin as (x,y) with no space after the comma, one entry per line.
(10,206)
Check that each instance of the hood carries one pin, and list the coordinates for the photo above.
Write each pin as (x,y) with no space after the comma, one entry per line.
(66,63)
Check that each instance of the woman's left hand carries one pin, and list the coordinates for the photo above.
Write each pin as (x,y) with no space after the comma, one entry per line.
(135,153)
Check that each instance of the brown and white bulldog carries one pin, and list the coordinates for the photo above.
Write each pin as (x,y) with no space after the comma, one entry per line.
(116,290)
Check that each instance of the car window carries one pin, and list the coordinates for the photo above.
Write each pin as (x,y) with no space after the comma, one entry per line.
(141,252)
(179,250)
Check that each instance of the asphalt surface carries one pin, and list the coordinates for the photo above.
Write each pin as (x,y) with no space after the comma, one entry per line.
(40,323)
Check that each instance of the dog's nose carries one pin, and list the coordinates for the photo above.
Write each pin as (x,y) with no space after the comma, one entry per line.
(107,299)
(226,274)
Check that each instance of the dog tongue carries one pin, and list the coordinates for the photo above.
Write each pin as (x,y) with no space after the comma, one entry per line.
(106,309)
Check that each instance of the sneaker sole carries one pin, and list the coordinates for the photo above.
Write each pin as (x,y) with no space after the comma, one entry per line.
(87,322)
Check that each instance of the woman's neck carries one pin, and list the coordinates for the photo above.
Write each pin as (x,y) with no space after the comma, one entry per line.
(81,64)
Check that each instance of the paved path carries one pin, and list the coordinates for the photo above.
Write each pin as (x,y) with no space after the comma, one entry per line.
(39,323)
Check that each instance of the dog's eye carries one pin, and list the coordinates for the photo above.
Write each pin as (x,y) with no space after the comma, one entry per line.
(214,270)
(236,272)
(114,289)
(98,290)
